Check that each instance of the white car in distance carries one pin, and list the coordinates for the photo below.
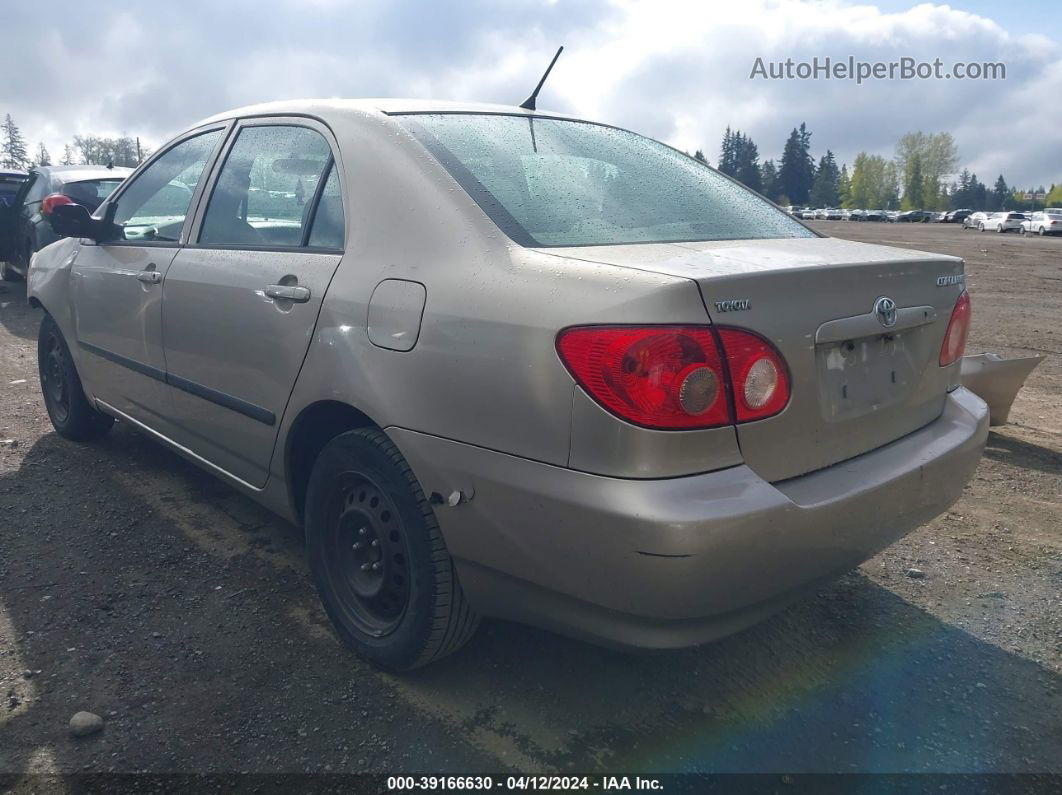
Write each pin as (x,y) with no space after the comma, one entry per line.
(1001,222)
(1047,222)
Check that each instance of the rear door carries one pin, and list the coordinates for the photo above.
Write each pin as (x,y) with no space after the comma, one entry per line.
(116,287)
(241,302)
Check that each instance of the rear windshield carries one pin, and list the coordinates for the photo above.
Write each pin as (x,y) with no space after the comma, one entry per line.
(91,192)
(553,182)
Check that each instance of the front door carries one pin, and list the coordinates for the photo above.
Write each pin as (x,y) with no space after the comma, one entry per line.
(116,286)
(241,302)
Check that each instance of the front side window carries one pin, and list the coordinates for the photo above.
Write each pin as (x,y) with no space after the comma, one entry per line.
(264,192)
(553,182)
(155,205)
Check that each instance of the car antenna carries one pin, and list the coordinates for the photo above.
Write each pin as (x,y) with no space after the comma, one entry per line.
(529,103)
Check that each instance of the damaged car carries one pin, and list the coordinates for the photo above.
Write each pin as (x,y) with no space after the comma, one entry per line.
(498,362)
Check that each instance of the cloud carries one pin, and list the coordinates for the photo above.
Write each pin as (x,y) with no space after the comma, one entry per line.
(674,69)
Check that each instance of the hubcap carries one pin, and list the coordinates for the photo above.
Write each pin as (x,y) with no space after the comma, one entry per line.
(368,562)
(53,375)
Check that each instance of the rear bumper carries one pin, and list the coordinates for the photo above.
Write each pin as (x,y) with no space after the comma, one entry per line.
(677,562)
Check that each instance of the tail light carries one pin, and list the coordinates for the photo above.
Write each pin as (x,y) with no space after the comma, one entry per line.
(958,328)
(761,382)
(677,377)
(52,201)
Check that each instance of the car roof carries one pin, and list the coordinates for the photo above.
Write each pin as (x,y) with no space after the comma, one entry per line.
(66,174)
(13,172)
(380,106)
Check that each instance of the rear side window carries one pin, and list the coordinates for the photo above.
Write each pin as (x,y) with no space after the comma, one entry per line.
(554,182)
(264,192)
(154,206)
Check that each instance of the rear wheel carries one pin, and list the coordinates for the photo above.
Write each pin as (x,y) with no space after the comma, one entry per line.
(981,227)
(378,557)
(1042,231)
(71,414)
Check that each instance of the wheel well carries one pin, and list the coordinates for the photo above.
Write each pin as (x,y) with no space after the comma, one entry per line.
(315,427)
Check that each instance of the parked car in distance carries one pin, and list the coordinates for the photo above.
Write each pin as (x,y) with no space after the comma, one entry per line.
(1001,222)
(914,216)
(956,216)
(478,376)
(875,215)
(892,215)
(973,220)
(1047,222)
(11,180)
(857,215)
(26,229)
(809,214)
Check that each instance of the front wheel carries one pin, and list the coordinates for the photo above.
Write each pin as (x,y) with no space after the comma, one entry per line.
(1001,229)
(71,413)
(980,227)
(378,558)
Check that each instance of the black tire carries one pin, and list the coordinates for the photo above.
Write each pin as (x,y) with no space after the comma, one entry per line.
(1042,232)
(73,417)
(378,558)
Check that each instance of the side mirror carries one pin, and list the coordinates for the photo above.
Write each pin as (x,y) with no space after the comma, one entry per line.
(68,218)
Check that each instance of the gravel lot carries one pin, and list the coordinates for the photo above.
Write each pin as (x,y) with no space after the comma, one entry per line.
(134,586)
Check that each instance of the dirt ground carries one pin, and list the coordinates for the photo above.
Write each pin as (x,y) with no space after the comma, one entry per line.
(137,587)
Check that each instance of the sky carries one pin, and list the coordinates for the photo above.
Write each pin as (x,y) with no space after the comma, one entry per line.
(676,70)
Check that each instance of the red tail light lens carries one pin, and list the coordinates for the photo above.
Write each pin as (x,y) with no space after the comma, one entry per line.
(761,380)
(958,328)
(674,377)
(658,377)
(54,200)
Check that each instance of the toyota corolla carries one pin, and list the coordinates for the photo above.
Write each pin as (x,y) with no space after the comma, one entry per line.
(498,362)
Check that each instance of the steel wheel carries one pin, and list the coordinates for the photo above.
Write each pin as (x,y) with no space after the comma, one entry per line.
(53,378)
(369,564)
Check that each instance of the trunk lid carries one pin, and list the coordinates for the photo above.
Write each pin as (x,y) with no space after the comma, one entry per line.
(856,384)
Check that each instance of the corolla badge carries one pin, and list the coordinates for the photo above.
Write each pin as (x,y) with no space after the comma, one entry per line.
(885,309)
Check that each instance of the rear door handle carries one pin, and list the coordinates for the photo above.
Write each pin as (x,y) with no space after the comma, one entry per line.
(149,276)
(291,292)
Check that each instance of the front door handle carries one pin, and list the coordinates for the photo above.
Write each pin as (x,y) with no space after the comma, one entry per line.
(149,276)
(290,292)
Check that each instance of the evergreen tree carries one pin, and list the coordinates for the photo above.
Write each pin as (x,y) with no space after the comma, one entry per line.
(769,180)
(797,171)
(824,191)
(748,164)
(844,184)
(1001,195)
(68,156)
(912,189)
(727,154)
(12,146)
(699,155)
(42,158)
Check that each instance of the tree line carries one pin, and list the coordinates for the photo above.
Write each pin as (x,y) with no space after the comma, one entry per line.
(83,150)
(916,178)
